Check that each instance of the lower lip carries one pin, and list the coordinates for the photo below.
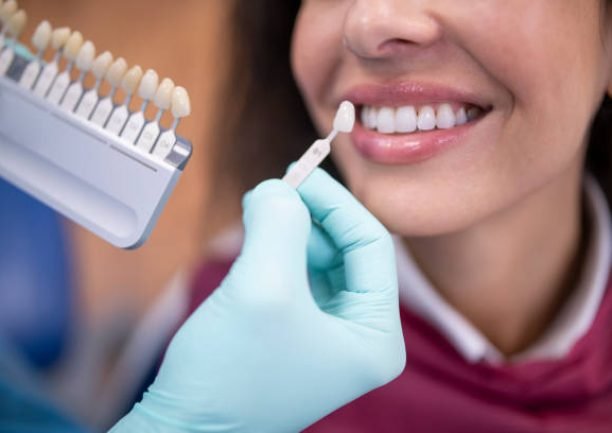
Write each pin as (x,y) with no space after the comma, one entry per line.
(396,149)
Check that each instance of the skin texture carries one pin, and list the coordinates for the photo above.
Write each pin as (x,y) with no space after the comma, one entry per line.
(477,217)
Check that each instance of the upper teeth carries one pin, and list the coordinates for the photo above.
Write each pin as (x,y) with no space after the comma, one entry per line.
(408,119)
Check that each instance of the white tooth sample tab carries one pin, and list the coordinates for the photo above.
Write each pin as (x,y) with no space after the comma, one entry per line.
(7,10)
(146,91)
(181,108)
(59,37)
(163,101)
(320,149)
(90,98)
(129,84)
(114,75)
(40,40)
(62,81)
(16,24)
(14,27)
(84,62)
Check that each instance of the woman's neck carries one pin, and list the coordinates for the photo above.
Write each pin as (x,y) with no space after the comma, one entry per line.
(510,274)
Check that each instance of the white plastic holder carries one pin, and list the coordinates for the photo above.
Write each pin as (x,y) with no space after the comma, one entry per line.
(30,74)
(84,172)
(88,103)
(47,76)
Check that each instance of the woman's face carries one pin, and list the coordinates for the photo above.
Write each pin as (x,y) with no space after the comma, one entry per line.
(510,88)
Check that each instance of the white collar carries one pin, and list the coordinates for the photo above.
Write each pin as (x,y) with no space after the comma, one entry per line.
(571,323)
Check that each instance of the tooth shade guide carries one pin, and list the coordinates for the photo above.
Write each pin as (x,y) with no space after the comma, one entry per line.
(6,60)
(118,119)
(41,39)
(148,137)
(165,144)
(59,87)
(30,74)
(88,103)
(102,112)
(46,78)
(344,121)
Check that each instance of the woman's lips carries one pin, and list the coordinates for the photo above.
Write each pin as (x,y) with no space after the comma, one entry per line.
(397,149)
(374,140)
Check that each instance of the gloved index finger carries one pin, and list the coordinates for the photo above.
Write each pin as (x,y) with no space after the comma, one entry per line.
(364,243)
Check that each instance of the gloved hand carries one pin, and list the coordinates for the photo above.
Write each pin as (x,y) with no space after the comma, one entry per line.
(272,350)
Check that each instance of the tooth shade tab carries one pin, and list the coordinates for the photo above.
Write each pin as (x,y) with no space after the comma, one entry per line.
(132,78)
(148,85)
(16,23)
(345,117)
(59,37)
(101,64)
(117,70)
(73,46)
(7,10)
(42,36)
(181,104)
(163,96)
(87,54)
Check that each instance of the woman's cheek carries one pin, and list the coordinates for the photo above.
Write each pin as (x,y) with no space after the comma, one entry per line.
(317,51)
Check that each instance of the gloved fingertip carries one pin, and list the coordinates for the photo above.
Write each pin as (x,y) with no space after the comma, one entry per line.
(290,166)
(246,198)
(275,199)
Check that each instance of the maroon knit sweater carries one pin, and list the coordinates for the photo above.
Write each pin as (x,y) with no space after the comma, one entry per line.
(441,392)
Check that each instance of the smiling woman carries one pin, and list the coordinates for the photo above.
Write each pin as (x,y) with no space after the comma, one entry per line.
(261,65)
(478,123)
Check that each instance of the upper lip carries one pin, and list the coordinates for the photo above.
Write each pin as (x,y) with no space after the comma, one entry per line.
(411,93)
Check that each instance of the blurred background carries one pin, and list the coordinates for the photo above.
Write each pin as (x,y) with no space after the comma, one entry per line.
(112,311)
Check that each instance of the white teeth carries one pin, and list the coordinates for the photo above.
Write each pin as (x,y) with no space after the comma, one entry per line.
(445,119)
(372,118)
(386,121)
(364,116)
(406,120)
(461,117)
(86,56)
(427,119)
(42,36)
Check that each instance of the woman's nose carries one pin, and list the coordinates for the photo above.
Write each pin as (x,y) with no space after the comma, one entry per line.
(379,29)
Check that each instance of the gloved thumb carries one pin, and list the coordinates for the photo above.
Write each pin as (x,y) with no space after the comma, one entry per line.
(277,227)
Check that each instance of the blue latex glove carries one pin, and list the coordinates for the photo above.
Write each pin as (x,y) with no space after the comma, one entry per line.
(272,350)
